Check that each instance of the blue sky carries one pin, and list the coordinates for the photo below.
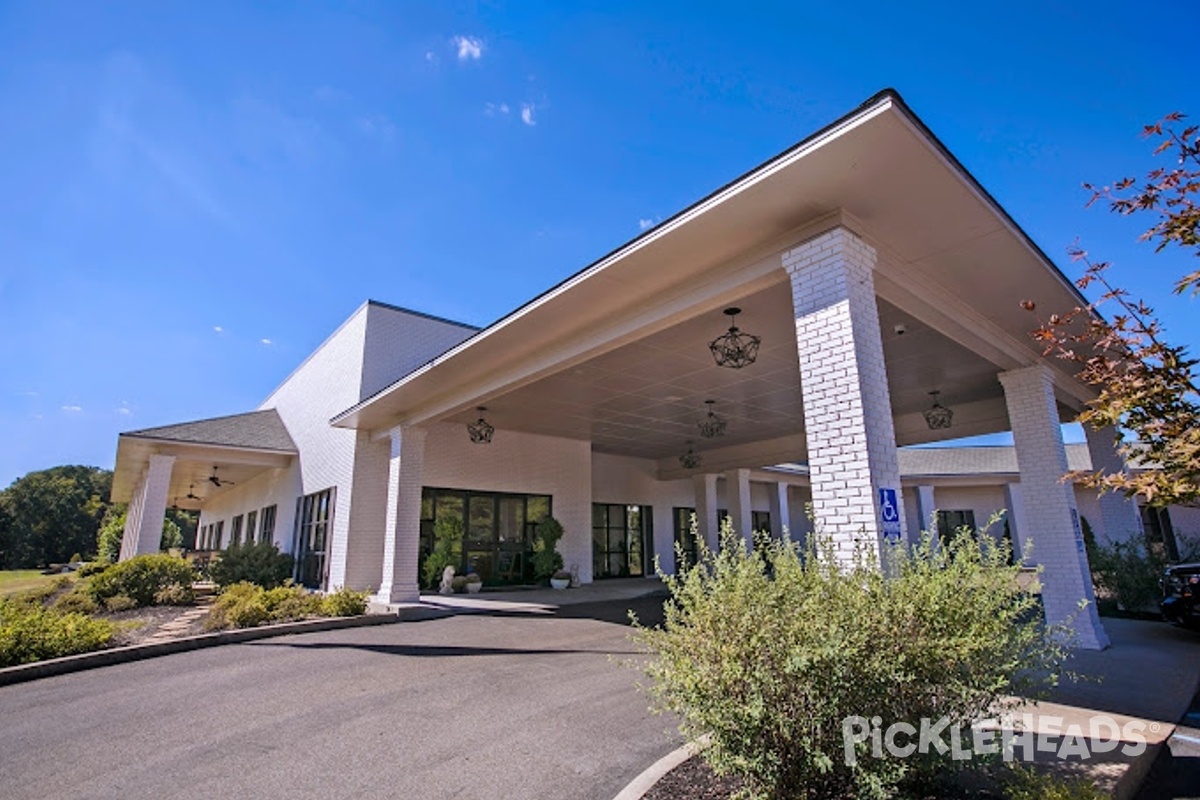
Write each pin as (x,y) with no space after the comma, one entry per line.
(196,194)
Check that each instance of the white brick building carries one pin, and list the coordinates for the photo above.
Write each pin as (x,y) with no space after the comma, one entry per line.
(874,270)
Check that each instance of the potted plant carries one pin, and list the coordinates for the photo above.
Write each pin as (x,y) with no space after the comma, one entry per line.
(546,559)
(474,583)
(459,584)
(561,579)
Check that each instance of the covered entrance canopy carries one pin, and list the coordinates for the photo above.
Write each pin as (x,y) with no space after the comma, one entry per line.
(618,355)
(875,269)
(186,464)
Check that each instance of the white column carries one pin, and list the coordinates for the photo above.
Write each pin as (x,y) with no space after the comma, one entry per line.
(737,490)
(926,511)
(1018,523)
(147,509)
(1120,519)
(706,510)
(402,532)
(664,538)
(781,512)
(1057,539)
(843,383)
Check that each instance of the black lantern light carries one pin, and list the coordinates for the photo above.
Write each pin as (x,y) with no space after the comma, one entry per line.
(938,417)
(733,348)
(712,425)
(480,431)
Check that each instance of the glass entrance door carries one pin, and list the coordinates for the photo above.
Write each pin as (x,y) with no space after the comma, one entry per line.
(619,536)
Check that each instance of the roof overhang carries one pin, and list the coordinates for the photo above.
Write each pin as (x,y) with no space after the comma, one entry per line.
(947,253)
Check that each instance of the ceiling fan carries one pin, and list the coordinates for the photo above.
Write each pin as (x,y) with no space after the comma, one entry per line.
(191,495)
(215,481)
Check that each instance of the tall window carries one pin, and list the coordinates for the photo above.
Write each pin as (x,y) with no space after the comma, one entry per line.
(761,521)
(314,512)
(251,524)
(619,536)
(235,530)
(1160,535)
(268,525)
(949,523)
(686,539)
(218,534)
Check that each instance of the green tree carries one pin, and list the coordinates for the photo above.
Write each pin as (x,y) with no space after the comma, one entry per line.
(112,530)
(48,515)
(1146,385)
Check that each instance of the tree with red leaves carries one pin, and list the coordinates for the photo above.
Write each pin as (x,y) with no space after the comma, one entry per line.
(1146,385)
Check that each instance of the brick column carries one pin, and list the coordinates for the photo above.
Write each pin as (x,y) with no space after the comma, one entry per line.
(706,510)
(1056,537)
(843,383)
(147,509)
(1120,519)
(402,529)
(781,512)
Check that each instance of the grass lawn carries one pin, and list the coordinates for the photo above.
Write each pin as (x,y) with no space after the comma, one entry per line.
(18,580)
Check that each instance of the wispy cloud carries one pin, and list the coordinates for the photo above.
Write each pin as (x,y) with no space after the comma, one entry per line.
(218,329)
(527,117)
(28,393)
(377,126)
(431,57)
(469,48)
(72,409)
(491,109)
(645,223)
(266,342)
(125,411)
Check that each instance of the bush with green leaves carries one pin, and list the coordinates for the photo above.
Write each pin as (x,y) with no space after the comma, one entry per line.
(76,601)
(141,578)
(768,651)
(546,559)
(1126,574)
(259,563)
(92,568)
(31,633)
(344,603)
(246,605)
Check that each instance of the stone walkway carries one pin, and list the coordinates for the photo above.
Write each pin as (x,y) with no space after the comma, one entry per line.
(180,626)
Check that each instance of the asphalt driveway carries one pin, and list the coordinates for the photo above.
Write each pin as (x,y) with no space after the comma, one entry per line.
(503,706)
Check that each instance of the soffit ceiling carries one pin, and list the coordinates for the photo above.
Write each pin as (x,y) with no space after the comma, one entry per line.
(644,399)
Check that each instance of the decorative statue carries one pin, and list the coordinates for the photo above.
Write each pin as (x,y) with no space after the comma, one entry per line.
(447,586)
(574,576)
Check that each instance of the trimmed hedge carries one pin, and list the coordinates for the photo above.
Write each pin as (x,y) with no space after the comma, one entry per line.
(259,563)
(141,579)
(245,605)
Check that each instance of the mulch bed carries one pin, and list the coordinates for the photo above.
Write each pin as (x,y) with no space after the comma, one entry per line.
(693,780)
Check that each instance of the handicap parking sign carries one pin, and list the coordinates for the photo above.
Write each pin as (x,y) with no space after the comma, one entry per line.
(889,513)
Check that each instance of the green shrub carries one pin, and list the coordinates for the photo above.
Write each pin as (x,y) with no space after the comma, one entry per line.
(246,605)
(546,559)
(34,634)
(259,563)
(768,653)
(92,568)
(77,601)
(1025,783)
(1126,574)
(41,595)
(141,578)
(447,544)
(344,603)
(175,594)
(120,602)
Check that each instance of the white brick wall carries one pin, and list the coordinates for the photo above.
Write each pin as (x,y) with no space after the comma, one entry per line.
(1049,503)
(843,383)
(522,463)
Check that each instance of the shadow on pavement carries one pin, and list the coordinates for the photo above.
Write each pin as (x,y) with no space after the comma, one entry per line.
(432,651)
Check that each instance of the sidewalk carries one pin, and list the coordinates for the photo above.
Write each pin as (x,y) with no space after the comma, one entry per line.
(522,601)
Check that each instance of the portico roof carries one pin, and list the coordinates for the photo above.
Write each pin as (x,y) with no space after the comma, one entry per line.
(616,353)
(239,446)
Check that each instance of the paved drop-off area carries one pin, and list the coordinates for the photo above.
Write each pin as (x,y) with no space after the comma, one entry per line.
(464,707)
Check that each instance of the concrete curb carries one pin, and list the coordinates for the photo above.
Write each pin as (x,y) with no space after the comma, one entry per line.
(643,783)
(137,652)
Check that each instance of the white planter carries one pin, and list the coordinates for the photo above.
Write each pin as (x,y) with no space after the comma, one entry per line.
(560,583)
(473,588)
